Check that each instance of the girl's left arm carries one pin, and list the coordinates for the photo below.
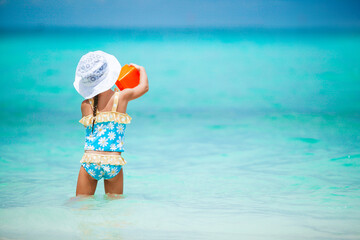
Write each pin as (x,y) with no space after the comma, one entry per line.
(86,108)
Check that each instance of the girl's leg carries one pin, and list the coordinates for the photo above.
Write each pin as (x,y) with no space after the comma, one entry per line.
(86,184)
(114,185)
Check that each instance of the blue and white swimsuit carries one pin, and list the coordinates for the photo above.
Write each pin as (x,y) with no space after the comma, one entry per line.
(107,135)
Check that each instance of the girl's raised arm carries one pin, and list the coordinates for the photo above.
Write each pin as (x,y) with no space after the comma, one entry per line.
(136,92)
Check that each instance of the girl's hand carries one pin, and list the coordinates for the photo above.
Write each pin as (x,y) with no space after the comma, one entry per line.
(137,66)
(133,93)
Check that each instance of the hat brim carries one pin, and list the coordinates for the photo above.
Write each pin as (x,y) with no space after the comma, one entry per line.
(107,83)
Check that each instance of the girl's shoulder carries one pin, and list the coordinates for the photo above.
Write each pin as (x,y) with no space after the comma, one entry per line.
(86,108)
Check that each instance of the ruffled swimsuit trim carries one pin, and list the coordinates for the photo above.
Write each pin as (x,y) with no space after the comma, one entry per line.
(106,117)
(103,159)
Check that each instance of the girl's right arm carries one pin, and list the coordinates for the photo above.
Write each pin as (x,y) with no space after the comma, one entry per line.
(136,92)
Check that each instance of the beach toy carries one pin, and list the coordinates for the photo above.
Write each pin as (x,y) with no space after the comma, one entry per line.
(129,77)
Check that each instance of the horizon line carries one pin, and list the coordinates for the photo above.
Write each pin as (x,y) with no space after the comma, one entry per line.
(44,27)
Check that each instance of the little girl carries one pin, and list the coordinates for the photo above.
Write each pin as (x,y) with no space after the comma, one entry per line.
(104,117)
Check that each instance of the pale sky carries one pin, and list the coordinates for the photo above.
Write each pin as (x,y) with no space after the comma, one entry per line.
(185,13)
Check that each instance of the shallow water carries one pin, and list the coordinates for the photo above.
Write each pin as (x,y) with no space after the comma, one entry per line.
(244,134)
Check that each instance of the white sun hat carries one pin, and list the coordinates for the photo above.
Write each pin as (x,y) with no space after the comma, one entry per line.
(96,72)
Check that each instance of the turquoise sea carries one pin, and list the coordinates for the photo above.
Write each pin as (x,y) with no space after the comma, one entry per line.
(244,134)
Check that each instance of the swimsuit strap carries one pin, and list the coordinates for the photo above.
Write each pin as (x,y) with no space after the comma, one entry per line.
(116,99)
(114,107)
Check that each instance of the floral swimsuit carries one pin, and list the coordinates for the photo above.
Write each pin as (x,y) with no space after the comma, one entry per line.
(107,135)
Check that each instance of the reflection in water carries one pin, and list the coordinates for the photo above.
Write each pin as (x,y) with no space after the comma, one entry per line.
(113,196)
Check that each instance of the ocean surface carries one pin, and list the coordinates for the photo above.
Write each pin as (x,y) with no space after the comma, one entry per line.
(244,134)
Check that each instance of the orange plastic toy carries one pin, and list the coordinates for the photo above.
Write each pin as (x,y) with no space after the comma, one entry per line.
(129,77)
